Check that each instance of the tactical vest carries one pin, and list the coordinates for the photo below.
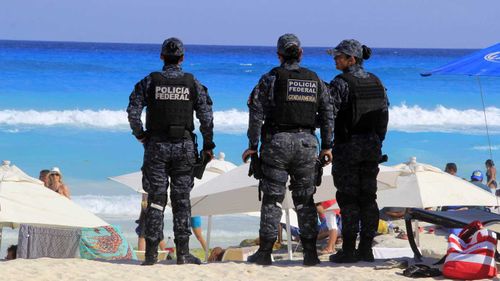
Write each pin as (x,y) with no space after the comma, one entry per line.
(361,113)
(296,97)
(170,104)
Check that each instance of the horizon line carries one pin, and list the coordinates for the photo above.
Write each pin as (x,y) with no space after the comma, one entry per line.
(221,45)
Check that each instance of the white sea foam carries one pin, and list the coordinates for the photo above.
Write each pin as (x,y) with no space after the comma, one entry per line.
(403,118)
(119,206)
(441,119)
(486,148)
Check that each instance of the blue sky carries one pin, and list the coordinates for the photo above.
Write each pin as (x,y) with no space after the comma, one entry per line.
(382,23)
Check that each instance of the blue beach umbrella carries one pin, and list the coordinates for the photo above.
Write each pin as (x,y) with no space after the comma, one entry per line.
(485,62)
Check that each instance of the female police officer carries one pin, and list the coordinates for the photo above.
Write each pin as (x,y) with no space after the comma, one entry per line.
(361,107)
(283,109)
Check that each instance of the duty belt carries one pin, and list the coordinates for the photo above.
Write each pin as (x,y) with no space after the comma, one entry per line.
(292,130)
(165,136)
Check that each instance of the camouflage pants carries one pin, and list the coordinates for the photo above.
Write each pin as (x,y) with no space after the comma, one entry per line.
(164,160)
(354,170)
(286,154)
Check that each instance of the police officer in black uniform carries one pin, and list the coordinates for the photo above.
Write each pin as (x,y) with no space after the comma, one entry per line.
(361,107)
(284,108)
(170,97)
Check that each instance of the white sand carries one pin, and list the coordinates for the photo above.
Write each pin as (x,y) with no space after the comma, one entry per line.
(79,269)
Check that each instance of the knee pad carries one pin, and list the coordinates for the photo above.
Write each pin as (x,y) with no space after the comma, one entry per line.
(303,201)
(273,199)
(157,201)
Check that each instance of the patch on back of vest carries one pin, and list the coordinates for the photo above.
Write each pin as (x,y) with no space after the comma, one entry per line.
(302,90)
(171,93)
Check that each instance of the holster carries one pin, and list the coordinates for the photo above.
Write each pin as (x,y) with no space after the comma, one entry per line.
(200,165)
(255,168)
(318,172)
(383,158)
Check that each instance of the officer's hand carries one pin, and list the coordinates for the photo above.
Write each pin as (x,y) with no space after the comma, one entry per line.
(209,154)
(326,156)
(247,153)
(142,139)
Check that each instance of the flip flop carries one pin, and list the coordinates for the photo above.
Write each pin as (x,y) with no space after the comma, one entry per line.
(421,270)
(402,235)
(390,264)
(325,252)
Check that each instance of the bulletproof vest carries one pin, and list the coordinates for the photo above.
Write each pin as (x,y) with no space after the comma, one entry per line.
(170,103)
(361,113)
(295,98)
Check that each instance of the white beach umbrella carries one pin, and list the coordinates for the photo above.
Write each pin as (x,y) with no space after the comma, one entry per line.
(25,200)
(421,186)
(213,169)
(235,192)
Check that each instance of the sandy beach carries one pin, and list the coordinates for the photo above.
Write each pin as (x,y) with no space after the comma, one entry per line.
(78,269)
(433,246)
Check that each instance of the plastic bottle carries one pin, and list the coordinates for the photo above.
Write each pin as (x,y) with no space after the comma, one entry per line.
(169,248)
(390,227)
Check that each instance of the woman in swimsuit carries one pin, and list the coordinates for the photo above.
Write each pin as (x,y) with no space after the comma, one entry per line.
(491,174)
(55,182)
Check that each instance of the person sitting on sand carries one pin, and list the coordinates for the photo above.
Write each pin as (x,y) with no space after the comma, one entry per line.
(11,252)
(451,168)
(477,179)
(328,227)
(216,254)
(56,183)
(44,176)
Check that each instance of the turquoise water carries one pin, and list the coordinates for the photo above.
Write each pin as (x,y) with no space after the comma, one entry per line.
(62,104)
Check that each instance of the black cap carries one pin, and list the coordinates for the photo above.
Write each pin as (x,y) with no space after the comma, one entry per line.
(172,47)
(349,47)
(285,41)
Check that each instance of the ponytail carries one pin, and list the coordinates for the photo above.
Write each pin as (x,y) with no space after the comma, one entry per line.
(292,53)
(367,52)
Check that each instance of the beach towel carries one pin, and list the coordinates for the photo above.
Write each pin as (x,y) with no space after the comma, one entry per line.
(37,242)
(106,243)
(471,254)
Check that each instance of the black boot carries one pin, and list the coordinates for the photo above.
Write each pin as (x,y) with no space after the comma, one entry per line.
(151,255)
(310,251)
(364,251)
(347,254)
(183,255)
(263,255)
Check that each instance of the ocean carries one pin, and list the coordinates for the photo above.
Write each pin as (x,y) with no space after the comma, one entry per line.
(63,104)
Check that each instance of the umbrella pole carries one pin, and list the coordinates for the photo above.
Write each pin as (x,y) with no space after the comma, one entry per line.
(485,120)
(209,232)
(288,234)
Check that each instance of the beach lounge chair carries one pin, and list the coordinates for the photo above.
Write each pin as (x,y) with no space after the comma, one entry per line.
(454,219)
